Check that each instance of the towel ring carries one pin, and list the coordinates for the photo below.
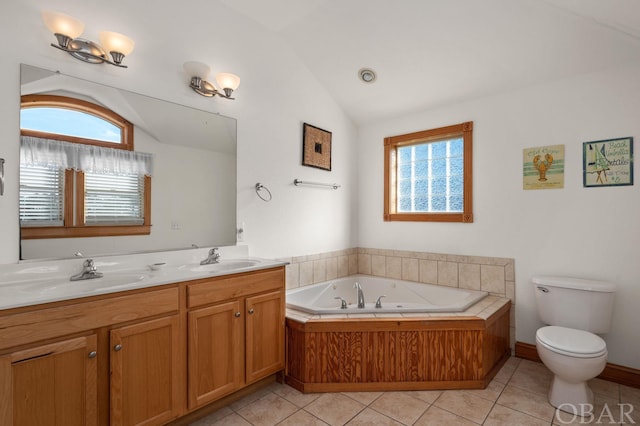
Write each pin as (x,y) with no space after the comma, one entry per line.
(260,187)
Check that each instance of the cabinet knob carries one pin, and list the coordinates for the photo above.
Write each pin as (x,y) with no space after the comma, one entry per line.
(251,311)
(93,354)
(237,314)
(117,348)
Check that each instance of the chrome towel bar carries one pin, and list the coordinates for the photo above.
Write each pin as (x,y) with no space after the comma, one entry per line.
(298,182)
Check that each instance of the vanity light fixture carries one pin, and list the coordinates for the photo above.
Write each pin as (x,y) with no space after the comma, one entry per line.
(67,30)
(199,73)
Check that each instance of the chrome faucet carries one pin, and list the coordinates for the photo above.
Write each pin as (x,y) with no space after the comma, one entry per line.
(214,257)
(358,288)
(89,271)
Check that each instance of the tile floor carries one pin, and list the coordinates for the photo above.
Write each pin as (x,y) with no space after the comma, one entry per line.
(516,396)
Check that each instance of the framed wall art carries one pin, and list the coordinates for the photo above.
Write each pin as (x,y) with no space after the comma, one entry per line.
(608,162)
(543,167)
(316,147)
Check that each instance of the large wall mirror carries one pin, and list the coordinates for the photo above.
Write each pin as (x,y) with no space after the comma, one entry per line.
(193,200)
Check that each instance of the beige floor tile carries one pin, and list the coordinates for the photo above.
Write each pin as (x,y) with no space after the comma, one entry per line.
(302,418)
(252,397)
(365,398)
(629,394)
(491,392)
(533,404)
(604,387)
(334,408)
(267,411)
(501,415)
(294,396)
(463,404)
(231,420)
(426,396)
(369,417)
(213,417)
(507,370)
(532,376)
(400,406)
(438,417)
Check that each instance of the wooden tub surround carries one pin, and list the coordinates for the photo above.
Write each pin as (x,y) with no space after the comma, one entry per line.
(338,353)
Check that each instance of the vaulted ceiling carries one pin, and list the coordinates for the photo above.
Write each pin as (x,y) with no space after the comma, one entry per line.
(429,53)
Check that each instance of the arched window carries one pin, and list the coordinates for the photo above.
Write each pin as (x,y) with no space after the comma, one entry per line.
(79,175)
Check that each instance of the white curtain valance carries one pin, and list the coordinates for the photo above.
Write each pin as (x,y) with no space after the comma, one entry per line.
(51,153)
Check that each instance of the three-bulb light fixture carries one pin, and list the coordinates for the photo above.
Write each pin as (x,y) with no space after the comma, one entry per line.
(199,73)
(67,30)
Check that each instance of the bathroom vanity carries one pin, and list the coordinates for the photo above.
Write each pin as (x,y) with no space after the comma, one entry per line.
(146,355)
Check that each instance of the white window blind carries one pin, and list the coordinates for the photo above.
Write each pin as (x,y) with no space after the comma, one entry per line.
(41,196)
(113,199)
(114,183)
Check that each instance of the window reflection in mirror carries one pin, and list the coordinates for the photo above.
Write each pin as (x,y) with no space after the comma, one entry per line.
(194,174)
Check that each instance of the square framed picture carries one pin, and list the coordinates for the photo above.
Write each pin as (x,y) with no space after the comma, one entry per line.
(543,167)
(316,147)
(608,162)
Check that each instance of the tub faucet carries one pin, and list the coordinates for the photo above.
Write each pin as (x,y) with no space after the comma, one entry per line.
(214,257)
(89,271)
(358,288)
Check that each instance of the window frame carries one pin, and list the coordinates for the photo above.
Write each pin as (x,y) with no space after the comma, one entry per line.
(392,143)
(74,224)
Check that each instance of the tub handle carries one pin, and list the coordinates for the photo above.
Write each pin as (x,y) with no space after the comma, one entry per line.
(543,289)
(343,303)
(379,302)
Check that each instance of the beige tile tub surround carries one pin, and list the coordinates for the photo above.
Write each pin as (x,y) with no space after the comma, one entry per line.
(495,275)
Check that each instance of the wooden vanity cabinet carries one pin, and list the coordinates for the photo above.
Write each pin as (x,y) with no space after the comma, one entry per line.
(50,384)
(53,376)
(235,333)
(145,368)
(141,357)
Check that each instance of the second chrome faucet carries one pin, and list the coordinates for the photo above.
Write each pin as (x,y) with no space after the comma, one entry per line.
(360,295)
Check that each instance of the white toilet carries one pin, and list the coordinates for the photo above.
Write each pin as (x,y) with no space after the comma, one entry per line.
(575,309)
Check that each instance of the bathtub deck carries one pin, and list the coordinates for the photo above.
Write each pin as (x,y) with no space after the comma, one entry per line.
(373,352)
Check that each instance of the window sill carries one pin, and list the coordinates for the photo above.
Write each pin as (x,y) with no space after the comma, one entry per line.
(85,231)
(429,217)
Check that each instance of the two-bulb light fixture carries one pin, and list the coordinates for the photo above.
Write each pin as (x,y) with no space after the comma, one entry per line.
(199,73)
(67,30)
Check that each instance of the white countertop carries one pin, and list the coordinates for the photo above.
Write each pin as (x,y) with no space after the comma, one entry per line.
(32,283)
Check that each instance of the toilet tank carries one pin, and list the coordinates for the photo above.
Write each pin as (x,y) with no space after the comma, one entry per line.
(575,302)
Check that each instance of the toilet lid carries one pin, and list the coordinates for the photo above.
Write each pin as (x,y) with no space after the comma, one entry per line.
(571,341)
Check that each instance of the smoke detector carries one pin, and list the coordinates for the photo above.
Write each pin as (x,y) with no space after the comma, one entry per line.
(367,75)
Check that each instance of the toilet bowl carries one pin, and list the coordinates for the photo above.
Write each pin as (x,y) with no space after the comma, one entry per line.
(574,357)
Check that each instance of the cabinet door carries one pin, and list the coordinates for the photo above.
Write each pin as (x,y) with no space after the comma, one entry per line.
(264,335)
(53,384)
(215,352)
(145,372)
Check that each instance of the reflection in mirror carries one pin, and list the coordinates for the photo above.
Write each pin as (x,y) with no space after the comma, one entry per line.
(194,179)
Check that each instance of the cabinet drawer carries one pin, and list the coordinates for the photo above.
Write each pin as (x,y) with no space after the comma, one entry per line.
(231,287)
(43,324)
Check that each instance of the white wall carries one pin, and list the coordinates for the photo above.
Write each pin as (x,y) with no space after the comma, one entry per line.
(587,232)
(277,94)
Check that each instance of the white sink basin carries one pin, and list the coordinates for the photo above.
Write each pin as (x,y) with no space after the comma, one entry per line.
(60,287)
(225,265)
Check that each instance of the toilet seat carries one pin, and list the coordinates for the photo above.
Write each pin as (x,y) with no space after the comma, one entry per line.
(571,342)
